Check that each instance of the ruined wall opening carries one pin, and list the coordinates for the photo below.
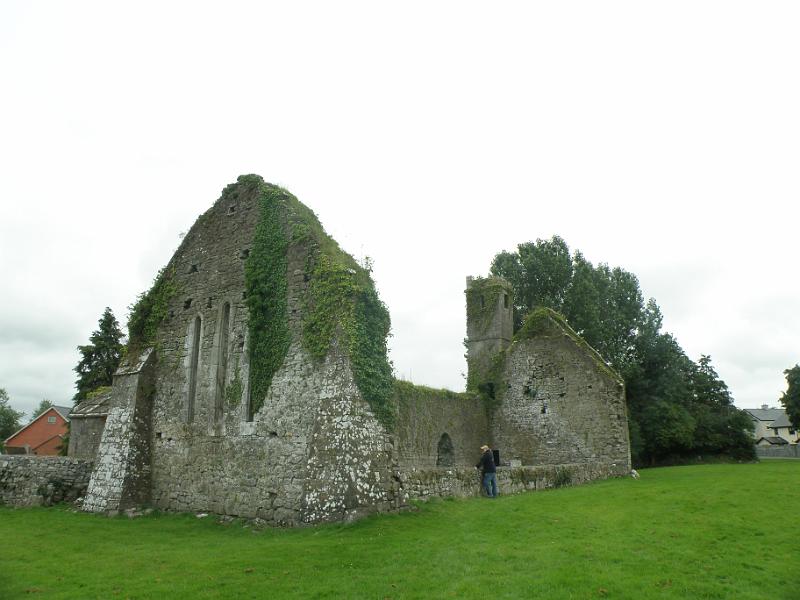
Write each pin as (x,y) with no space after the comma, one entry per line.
(194,358)
(222,364)
(445,455)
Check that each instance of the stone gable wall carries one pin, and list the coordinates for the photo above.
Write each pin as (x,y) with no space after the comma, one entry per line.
(560,408)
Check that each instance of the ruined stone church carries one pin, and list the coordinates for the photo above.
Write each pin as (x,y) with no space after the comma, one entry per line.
(256,384)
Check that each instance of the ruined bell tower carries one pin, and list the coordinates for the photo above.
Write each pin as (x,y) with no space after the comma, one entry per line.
(490,324)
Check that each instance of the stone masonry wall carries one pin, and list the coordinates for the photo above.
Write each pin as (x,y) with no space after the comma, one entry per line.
(85,436)
(313,452)
(465,482)
(424,418)
(42,480)
(559,407)
(121,477)
(351,468)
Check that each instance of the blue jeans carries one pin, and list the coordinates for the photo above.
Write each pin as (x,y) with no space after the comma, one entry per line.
(490,484)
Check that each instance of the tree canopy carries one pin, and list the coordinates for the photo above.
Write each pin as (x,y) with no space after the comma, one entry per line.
(43,406)
(677,408)
(791,397)
(100,357)
(10,419)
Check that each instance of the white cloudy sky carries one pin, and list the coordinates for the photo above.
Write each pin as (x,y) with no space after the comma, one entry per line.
(659,137)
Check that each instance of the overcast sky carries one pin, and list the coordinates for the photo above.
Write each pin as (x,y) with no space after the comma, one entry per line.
(659,137)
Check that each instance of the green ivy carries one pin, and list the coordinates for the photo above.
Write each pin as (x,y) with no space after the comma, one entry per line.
(233,391)
(371,368)
(405,391)
(265,287)
(150,309)
(482,297)
(342,299)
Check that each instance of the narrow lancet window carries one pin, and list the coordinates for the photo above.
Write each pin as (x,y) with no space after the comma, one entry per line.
(193,360)
(222,365)
(445,454)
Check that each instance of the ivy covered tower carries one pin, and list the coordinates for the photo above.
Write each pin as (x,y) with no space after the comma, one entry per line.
(490,324)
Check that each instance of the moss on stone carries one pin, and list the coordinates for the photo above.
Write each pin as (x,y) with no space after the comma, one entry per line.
(405,391)
(233,391)
(103,389)
(545,322)
(482,297)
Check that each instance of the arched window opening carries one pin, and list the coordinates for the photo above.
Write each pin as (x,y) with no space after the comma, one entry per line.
(222,364)
(193,360)
(445,455)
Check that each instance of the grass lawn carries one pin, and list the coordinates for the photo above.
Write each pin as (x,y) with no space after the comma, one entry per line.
(712,531)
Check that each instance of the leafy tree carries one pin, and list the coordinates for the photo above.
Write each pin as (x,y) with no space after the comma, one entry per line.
(539,272)
(791,397)
(43,406)
(602,304)
(676,407)
(9,418)
(100,358)
(668,429)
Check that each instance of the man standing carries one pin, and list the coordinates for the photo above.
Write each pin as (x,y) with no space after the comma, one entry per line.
(486,465)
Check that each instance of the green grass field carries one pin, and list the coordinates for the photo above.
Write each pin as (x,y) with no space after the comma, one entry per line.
(713,531)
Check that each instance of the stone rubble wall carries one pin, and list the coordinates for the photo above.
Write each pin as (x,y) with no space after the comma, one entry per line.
(42,480)
(422,484)
(422,420)
(560,407)
(351,468)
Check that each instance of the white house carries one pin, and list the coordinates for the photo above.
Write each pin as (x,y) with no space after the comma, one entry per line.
(770,424)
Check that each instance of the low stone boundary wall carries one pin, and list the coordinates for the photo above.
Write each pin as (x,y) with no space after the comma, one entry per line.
(790,451)
(444,482)
(42,480)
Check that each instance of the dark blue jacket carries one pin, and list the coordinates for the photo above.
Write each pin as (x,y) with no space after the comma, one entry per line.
(486,463)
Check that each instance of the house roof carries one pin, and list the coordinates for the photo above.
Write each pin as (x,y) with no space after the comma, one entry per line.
(774,440)
(781,421)
(96,405)
(62,411)
(765,414)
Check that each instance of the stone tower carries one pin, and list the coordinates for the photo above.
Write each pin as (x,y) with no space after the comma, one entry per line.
(490,324)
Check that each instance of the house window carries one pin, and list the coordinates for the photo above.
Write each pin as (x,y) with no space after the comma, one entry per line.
(51,420)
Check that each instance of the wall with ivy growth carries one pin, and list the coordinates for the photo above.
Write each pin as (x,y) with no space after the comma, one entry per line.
(426,414)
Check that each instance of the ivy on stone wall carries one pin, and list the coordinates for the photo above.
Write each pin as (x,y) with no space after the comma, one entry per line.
(233,391)
(265,287)
(342,302)
(405,391)
(482,298)
(493,388)
(150,309)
